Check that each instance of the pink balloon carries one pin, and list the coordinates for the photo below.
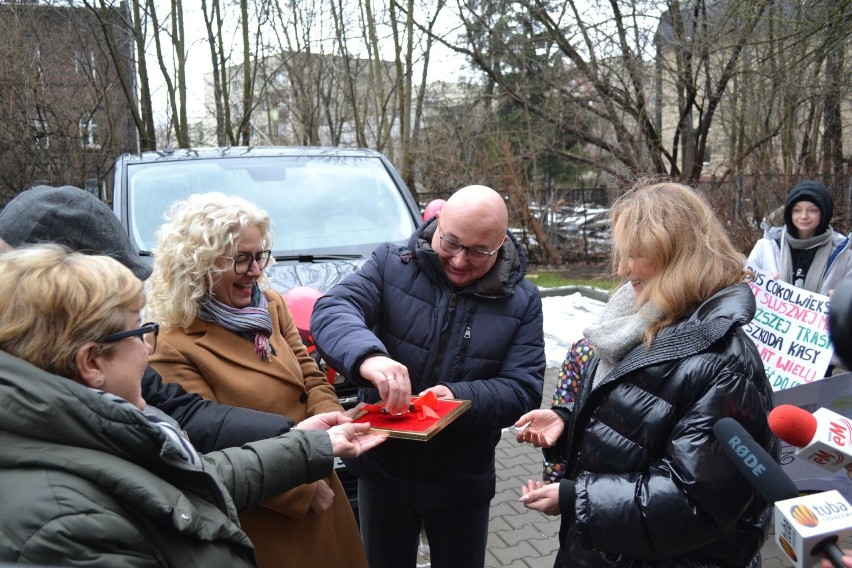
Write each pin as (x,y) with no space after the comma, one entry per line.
(300,301)
(433,207)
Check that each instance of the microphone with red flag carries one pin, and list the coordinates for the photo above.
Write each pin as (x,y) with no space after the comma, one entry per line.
(823,438)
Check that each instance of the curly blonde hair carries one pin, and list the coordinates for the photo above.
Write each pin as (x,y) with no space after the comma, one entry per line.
(199,231)
(674,227)
(55,301)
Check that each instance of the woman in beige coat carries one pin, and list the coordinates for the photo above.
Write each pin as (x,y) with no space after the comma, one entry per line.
(226,336)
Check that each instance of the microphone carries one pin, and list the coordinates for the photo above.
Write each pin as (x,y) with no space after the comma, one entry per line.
(823,438)
(754,462)
(806,528)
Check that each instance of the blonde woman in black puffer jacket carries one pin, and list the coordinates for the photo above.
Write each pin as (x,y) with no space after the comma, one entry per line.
(646,483)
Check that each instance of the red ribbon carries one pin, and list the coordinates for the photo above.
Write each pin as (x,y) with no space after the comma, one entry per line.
(423,406)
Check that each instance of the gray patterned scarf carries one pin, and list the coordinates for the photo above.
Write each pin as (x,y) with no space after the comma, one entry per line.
(252,322)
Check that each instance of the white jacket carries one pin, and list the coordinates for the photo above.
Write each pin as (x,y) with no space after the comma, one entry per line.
(766,255)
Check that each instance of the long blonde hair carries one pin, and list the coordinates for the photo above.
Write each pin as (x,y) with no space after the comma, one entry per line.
(675,228)
(54,301)
(198,232)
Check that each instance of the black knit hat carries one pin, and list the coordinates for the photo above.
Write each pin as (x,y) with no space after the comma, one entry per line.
(813,192)
(72,217)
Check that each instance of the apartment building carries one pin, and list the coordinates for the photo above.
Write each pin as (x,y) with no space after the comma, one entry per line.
(64,114)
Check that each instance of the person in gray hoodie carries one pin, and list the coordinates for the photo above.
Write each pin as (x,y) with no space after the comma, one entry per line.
(806,251)
(90,474)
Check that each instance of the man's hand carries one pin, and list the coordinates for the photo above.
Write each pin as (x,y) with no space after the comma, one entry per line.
(323,498)
(391,378)
(541,428)
(440,391)
(353,412)
(545,498)
(323,421)
(353,439)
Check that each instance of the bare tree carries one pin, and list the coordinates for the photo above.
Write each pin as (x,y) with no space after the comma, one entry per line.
(303,78)
(428,37)
(599,64)
(213,23)
(172,63)
(118,26)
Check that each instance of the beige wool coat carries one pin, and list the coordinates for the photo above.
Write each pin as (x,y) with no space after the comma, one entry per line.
(220,365)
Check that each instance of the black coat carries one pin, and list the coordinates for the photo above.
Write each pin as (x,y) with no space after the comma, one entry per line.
(210,426)
(653,486)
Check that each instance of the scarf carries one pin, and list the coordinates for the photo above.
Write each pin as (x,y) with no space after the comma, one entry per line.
(816,270)
(252,322)
(176,449)
(618,330)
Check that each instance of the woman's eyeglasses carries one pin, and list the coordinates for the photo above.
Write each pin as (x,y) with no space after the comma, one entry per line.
(242,262)
(147,333)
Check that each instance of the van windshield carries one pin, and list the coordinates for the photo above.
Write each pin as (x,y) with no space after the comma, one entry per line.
(319,205)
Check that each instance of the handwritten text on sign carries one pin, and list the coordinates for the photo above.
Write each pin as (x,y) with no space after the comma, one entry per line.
(790,330)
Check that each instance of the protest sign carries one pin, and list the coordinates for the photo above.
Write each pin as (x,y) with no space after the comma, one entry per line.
(790,330)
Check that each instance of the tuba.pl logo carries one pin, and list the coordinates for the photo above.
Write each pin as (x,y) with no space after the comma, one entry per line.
(804,516)
(788,549)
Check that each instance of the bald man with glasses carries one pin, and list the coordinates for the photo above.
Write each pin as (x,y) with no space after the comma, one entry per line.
(450,313)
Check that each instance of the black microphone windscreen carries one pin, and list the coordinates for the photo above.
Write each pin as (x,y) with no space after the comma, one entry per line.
(761,471)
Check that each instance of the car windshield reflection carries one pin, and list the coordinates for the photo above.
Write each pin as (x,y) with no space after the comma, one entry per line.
(320,206)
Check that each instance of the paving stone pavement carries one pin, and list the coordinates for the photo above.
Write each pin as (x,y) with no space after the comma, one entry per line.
(517,536)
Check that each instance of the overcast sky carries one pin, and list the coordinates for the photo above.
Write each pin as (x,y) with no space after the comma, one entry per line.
(444,65)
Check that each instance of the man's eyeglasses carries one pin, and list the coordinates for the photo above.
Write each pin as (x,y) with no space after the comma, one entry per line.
(475,256)
(147,333)
(242,262)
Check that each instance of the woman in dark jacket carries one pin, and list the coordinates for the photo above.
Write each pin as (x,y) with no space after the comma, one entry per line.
(646,482)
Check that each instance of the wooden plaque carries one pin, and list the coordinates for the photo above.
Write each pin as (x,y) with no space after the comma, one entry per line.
(408,426)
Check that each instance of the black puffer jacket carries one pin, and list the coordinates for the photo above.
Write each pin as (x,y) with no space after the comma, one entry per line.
(653,487)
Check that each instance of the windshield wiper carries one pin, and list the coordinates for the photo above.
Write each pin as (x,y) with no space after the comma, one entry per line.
(317,257)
